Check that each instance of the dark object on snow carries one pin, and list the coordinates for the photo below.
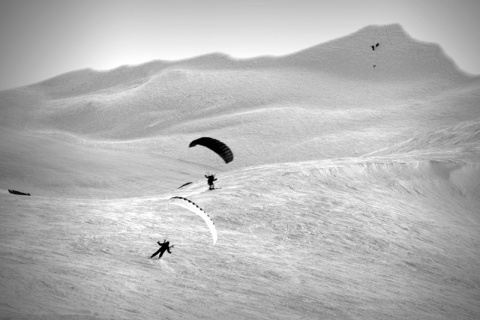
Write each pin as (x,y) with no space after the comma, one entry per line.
(18,192)
(377,44)
(164,246)
(183,185)
(373,48)
(216,146)
(210,179)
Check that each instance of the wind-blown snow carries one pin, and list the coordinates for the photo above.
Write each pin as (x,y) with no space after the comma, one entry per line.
(354,193)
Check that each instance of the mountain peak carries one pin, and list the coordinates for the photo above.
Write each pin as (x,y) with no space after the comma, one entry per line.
(385,52)
(373,53)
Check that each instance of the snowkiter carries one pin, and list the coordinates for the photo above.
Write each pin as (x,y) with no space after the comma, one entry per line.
(210,179)
(164,246)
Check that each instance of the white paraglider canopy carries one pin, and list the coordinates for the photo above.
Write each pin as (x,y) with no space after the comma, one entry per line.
(190,205)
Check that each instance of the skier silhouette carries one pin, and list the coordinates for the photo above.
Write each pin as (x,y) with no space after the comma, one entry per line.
(164,246)
(210,179)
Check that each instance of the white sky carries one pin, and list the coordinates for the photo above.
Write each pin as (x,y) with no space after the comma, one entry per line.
(41,39)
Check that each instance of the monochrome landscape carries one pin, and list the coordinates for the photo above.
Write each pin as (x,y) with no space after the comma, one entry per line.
(354,192)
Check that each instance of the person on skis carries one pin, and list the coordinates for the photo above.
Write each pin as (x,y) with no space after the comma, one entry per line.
(210,179)
(164,246)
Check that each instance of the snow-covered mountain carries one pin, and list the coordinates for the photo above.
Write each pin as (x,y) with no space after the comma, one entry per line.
(354,193)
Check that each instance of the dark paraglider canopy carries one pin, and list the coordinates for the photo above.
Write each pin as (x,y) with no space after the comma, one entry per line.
(18,192)
(185,184)
(216,146)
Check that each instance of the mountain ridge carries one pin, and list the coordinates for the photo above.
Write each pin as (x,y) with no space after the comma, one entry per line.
(353,51)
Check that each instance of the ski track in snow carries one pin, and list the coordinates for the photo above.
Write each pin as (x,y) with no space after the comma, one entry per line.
(354,193)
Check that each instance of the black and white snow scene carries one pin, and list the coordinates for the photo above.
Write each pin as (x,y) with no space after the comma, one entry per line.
(352,190)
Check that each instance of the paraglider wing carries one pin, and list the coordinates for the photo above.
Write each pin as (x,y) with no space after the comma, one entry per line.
(190,205)
(18,192)
(216,146)
(185,184)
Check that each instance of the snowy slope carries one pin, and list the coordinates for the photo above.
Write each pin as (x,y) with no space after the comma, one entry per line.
(349,240)
(354,193)
(269,109)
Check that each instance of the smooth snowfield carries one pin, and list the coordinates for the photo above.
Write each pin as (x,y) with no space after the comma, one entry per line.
(354,192)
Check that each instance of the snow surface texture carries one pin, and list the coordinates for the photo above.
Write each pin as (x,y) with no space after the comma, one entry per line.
(354,193)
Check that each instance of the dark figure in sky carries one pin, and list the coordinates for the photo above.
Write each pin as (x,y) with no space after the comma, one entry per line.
(210,179)
(164,246)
